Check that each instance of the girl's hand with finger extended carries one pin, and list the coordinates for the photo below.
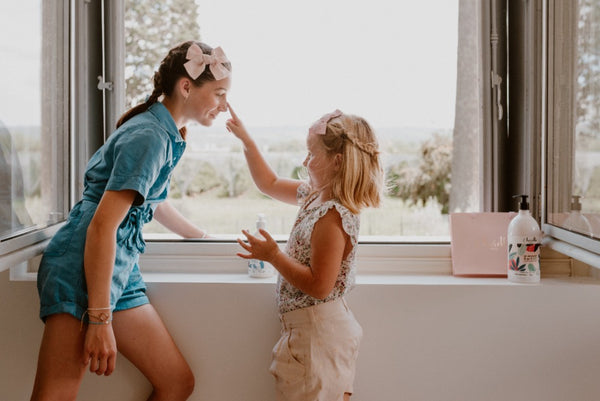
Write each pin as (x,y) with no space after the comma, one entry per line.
(235,125)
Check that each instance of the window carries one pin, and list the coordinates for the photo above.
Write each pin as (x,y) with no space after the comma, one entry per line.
(573,150)
(34,129)
(394,63)
(463,93)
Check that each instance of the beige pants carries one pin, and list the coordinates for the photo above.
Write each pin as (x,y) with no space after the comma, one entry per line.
(315,358)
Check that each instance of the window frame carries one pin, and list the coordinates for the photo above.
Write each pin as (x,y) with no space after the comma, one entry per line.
(490,166)
(98,58)
(94,111)
(576,245)
(59,115)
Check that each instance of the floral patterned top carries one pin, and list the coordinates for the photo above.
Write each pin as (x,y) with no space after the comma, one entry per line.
(298,247)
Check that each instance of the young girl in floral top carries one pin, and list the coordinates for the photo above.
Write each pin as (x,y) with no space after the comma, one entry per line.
(315,357)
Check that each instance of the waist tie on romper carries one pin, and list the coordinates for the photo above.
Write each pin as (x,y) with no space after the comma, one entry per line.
(131,228)
(129,233)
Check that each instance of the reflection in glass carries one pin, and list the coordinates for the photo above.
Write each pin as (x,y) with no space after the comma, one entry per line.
(31,152)
(574,161)
(586,183)
(13,213)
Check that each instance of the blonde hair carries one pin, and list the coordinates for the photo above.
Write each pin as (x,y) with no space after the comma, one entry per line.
(359,181)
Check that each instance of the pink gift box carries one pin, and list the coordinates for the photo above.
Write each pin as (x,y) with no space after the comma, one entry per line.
(478,243)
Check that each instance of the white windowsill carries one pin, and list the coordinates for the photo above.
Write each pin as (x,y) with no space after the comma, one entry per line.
(215,261)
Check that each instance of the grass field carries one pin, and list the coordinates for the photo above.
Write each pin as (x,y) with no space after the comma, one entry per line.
(229,215)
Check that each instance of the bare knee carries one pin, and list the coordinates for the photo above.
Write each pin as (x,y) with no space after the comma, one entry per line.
(188,382)
(176,387)
(347,396)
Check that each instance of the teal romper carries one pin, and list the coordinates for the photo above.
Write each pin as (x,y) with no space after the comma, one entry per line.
(140,155)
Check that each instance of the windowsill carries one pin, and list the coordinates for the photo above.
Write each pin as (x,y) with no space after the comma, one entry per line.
(365,279)
(215,261)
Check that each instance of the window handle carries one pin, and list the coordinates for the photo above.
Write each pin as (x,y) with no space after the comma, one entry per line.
(102,84)
(496,81)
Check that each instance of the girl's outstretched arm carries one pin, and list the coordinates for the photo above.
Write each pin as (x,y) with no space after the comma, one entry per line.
(174,221)
(267,181)
(329,246)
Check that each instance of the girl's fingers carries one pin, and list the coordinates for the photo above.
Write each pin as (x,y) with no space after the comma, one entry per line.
(102,365)
(265,234)
(86,358)
(233,115)
(111,362)
(249,236)
(244,245)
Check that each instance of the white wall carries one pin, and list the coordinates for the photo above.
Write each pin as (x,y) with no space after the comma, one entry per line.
(426,338)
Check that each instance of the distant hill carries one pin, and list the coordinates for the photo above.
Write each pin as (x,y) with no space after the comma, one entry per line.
(267,134)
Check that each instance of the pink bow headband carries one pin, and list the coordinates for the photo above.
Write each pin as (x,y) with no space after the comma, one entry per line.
(198,61)
(320,126)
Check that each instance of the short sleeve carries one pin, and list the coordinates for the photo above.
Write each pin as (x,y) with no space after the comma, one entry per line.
(138,158)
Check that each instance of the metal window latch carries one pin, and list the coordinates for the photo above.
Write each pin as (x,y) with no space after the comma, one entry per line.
(102,84)
(496,81)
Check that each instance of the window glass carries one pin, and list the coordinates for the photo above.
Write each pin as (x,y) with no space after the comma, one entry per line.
(574,203)
(393,63)
(33,95)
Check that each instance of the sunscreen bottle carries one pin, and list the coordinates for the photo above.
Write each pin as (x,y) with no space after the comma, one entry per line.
(524,239)
(257,267)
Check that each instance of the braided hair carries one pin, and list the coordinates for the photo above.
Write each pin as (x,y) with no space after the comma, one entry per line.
(171,69)
(359,181)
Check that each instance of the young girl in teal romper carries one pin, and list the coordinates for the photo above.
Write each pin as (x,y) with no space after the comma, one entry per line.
(91,291)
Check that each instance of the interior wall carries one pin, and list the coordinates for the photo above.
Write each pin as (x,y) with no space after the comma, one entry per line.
(423,340)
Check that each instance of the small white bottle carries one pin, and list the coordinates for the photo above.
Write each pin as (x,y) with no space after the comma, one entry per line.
(256,267)
(577,221)
(524,239)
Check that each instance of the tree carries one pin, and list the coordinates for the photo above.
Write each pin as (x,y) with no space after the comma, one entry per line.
(154,27)
(430,179)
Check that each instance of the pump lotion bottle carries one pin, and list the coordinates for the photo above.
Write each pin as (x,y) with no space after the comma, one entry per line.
(524,239)
(258,268)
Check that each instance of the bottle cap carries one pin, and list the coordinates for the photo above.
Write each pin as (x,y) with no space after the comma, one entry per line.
(523,204)
(261,221)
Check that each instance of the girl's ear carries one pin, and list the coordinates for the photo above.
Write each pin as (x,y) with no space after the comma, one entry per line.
(184,87)
(337,161)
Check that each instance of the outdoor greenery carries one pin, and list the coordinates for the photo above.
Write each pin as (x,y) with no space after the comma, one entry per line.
(429,178)
(154,27)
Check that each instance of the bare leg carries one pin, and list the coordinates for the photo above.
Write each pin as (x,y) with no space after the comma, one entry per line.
(143,339)
(347,396)
(60,367)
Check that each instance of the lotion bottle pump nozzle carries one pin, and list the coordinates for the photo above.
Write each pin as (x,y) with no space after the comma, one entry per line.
(523,204)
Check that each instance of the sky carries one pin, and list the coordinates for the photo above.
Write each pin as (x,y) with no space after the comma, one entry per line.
(294,60)
(20,47)
(381,59)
